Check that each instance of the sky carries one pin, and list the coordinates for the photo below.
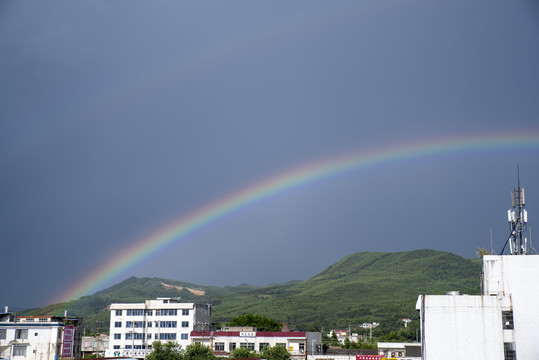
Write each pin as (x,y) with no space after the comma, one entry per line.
(119,119)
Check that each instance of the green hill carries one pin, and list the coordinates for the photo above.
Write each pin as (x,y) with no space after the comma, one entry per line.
(362,287)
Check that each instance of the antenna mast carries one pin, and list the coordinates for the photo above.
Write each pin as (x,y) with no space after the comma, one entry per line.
(518,221)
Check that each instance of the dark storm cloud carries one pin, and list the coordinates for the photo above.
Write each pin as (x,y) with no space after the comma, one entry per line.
(119,118)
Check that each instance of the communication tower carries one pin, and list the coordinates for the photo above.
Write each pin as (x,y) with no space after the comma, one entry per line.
(517,217)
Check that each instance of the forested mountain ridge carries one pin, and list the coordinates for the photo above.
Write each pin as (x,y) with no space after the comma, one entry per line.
(362,287)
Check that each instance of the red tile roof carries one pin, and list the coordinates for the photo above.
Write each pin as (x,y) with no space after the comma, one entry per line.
(287,334)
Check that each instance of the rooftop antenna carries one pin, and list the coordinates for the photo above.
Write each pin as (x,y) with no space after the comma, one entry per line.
(532,250)
(491,247)
(518,221)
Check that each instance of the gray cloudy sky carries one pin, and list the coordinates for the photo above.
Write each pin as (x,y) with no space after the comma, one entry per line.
(120,117)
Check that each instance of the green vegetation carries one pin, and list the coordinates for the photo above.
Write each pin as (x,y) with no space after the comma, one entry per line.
(262,323)
(363,287)
(172,351)
(275,353)
(269,353)
(166,351)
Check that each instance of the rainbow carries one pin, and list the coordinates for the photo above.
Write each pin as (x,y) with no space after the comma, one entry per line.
(180,229)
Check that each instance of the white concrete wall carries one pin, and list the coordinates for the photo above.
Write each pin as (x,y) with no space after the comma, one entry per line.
(462,326)
(517,276)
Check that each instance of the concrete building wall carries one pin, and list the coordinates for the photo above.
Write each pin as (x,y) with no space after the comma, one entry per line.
(462,326)
(502,323)
(517,276)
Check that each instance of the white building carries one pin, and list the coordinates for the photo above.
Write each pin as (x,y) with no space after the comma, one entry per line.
(500,324)
(399,350)
(95,345)
(135,326)
(39,337)
(298,343)
(343,334)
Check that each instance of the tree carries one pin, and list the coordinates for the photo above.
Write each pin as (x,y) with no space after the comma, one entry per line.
(167,351)
(197,351)
(482,252)
(392,336)
(262,323)
(241,353)
(276,352)
(333,339)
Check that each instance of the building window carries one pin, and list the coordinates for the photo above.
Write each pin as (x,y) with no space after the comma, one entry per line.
(149,312)
(166,312)
(19,350)
(29,320)
(250,346)
(21,334)
(43,320)
(167,336)
(149,324)
(128,324)
(231,346)
(185,324)
(281,345)
(118,313)
(219,346)
(135,312)
(507,320)
(185,312)
(134,336)
(116,347)
(2,334)
(185,336)
(117,336)
(168,324)
(262,346)
(128,347)
(117,324)
(509,351)
(139,324)
(302,347)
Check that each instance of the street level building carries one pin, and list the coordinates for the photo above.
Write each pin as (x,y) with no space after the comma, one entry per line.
(298,343)
(135,326)
(39,337)
(95,346)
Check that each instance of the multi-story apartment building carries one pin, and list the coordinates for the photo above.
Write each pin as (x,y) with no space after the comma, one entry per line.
(135,326)
(39,337)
